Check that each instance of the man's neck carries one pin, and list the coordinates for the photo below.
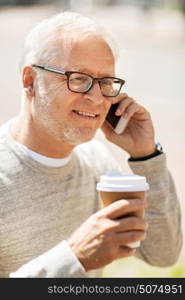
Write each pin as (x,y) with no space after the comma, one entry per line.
(24,131)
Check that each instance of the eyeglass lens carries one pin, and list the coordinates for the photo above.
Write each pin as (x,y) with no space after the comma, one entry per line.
(81,83)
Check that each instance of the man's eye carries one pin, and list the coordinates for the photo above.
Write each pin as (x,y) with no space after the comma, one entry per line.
(79,79)
(107,82)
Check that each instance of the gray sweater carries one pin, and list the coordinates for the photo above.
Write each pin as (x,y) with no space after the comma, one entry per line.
(41,206)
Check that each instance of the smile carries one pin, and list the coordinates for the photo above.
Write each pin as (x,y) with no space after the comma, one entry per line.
(85,114)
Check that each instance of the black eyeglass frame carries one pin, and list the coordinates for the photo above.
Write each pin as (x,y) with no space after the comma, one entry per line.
(68,74)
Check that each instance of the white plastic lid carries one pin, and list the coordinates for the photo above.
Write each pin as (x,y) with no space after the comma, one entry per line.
(114,181)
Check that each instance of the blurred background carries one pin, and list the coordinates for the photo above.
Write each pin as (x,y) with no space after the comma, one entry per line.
(151,39)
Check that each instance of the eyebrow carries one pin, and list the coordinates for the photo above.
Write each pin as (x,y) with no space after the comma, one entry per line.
(89,72)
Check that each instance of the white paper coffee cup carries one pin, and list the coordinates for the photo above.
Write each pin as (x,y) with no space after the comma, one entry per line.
(115,185)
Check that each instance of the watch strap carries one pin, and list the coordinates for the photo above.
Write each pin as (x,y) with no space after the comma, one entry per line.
(159,150)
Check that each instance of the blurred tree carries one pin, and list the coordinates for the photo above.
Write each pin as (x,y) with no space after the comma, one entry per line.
(24,2)
(183,6)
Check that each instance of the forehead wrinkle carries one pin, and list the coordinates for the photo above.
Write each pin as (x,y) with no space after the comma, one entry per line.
(84,47)
(88,71)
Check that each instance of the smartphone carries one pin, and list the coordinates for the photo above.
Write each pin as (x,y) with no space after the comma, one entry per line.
(117,122)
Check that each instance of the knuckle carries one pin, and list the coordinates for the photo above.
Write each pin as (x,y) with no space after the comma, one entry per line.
(108,225)
(122,203)
(96,222)
(94,218)
(135,235)
(104,225)
(131,101)
(139,223)
(134,221)
(113,253)
(110,245)
(110,240)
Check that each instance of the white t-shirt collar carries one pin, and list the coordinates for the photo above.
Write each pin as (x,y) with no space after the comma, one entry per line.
(44,160)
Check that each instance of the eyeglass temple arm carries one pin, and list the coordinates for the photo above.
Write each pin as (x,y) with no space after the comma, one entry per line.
(49,69)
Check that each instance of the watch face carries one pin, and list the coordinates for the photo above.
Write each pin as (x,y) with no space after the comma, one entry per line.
(159,147)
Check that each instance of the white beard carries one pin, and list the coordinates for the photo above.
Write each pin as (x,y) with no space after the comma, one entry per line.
(64,132)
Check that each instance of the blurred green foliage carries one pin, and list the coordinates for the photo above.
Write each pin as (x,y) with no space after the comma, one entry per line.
(133,267)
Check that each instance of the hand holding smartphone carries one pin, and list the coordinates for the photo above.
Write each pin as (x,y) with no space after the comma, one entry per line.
(117,122)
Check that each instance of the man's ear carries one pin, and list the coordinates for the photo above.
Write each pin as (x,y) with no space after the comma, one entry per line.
(28,79)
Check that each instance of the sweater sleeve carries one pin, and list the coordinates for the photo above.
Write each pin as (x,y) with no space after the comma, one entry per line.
(163,242)
(58,262)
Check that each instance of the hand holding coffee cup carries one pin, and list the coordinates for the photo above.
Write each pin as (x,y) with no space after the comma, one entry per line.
(115,185)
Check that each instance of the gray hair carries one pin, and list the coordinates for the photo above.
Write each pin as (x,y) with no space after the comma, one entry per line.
(41,43)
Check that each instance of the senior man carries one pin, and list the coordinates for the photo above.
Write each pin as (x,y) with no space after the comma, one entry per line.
(51,224)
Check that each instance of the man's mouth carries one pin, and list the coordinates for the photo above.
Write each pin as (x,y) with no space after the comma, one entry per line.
(85,114)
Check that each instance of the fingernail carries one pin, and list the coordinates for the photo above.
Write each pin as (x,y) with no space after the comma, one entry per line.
(118,112)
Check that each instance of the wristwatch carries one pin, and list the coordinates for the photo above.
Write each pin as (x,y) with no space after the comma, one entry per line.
(159,150)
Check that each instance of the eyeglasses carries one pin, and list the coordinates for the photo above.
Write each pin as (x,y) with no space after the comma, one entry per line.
(80,82)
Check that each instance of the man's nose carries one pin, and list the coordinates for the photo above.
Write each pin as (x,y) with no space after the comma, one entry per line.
(95,94)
